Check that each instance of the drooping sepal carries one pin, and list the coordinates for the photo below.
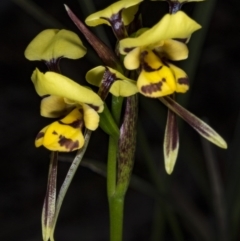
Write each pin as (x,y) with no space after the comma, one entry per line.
(201,127)
(49,205)
(171,142)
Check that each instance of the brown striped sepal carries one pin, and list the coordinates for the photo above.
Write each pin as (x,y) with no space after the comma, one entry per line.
(171,142)
(201,127)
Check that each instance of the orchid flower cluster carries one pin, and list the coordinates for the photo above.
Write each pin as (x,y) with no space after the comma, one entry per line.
(143,63)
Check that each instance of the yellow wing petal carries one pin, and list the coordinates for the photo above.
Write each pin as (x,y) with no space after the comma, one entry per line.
(182,81)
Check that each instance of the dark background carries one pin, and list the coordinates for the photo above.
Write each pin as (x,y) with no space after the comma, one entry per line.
(214,95)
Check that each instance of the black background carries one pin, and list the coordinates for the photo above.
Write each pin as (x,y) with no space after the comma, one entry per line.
(214,94)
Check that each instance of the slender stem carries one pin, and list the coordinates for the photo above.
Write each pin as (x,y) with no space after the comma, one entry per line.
(116,206)
(118,174)
(50,198)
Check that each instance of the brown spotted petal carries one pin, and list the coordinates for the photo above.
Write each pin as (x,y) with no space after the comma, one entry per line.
(64,135)
(171,142)
(201,127)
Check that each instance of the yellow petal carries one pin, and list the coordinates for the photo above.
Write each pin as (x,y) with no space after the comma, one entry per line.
(182,1)
(132,59)
(64,135)
(91,117)
(173,50)
(122,86)
(156,83)
(52,83)
(40,137)
(177,25)
(150,61)
(101,17)
(182,81)
(53,44)
(54,106)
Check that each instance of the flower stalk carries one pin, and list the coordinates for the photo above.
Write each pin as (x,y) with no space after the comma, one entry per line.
(118,178)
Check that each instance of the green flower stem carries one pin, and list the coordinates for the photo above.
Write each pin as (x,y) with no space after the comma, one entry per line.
(121,150)
(115,206)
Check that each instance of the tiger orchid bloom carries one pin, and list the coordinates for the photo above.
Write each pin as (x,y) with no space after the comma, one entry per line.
(80,103)
(152,50)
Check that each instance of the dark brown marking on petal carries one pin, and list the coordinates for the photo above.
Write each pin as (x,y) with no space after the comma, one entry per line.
(183,81)
(75,124)
(148,68)
(127,50)
(96,108)
(68,143)
(54,133)
(40,135)
(107,81)
(149,89)
(145,65)
(182,40)
(164,80)
(45,96)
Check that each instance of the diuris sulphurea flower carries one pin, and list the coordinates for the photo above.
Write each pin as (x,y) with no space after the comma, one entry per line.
(150,50)
(82,103)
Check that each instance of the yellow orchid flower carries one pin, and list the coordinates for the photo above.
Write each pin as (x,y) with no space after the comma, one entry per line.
(64,94)
(152,49)
(52,44)
(127,8)
(65,135)
(122,86)
(180,1)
